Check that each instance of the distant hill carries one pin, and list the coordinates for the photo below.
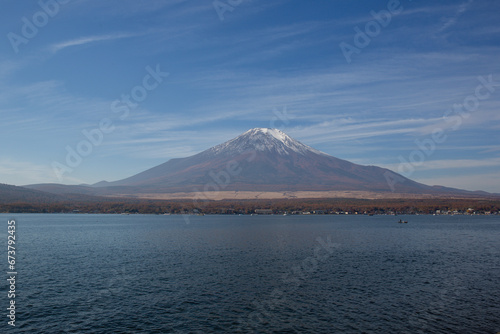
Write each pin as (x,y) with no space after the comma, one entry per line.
(61,189)
(53,194)
(14,194)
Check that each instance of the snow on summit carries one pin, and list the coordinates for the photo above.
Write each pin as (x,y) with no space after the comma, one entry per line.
(281,136)
(263,139)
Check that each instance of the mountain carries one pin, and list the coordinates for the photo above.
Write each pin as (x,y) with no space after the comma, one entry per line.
(259,160)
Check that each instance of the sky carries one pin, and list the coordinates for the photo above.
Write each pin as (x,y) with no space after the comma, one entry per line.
(101,90)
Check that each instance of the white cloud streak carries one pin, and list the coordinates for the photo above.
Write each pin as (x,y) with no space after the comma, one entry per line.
(451,164)
(54,48)
(462,8)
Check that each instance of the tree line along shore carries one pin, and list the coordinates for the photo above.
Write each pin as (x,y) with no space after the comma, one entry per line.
(282,206)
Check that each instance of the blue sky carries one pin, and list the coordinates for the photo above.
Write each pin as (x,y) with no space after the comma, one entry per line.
(413,86)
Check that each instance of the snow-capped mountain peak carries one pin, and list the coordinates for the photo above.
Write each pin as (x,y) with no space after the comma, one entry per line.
(281,136)
(263,139)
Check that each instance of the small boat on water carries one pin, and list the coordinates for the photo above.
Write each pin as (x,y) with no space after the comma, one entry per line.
(402,221)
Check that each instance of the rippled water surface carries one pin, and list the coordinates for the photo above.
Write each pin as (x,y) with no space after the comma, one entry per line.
(255,274)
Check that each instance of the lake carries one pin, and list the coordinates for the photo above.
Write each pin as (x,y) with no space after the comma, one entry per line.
(254,274)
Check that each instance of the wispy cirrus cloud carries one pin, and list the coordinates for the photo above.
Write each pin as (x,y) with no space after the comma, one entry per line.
(54,48)
(453,164)
(449,22)
(342,129)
